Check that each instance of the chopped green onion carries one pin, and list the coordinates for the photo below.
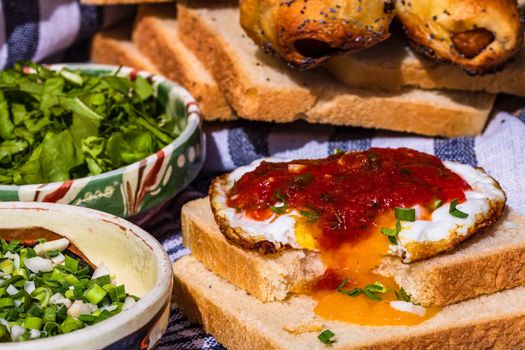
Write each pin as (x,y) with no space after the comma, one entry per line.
(70,294)
(6,302)
(71,324)
(326,337)
(33,322)
(369,290)
(102,280)
(89,319)
(281,209)
(402,295)
(35,310)
(312,215)
(392,233)
(95,294)
(389,232)
(66,282)
(437,203)
(7,266)
(455,211)
(71,264)
(351,293)
(278,210)
(121,292)
(50,314)
(405,214)
(53,253)
(51,328)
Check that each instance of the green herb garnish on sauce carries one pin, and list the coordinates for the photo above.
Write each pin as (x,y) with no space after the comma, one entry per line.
(455,211)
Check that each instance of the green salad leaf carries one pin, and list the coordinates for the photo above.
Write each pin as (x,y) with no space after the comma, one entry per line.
(60,125)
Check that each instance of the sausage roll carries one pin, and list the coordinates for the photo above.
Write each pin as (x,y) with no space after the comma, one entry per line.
(306,33)
(478,35)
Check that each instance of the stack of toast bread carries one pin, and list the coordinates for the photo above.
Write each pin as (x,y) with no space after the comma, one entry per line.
(202,46)
(247,300)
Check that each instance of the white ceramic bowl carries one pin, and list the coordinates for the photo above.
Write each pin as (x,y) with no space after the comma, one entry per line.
(130,253)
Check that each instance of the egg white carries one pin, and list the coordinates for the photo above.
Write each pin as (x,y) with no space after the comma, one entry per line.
(282,228)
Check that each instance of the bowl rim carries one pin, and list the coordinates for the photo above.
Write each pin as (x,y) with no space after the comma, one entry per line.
(190,104)
(157,292)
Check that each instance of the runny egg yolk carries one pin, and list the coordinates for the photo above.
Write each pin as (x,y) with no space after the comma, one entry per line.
(357,262)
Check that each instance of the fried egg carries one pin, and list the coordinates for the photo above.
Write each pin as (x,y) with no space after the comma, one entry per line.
(425,237)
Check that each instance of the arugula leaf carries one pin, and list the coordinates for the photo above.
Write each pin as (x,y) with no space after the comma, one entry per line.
(6,125)
(58,125)
(143,89)
(58,156)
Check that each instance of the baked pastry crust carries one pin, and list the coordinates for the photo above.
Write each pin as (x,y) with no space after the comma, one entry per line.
(478,35)
(307,33)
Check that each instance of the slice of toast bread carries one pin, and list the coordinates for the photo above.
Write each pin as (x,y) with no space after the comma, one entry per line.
(260,87)
(485,264)
(241,321)
(392,65)
(113,46)
(156,35)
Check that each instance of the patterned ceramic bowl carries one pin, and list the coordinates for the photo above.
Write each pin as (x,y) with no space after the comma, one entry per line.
(135,257)
(137,187)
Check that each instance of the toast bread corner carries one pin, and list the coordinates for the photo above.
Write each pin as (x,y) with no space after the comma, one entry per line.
(156,35)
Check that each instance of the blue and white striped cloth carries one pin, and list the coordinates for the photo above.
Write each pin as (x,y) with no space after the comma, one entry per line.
(51,30)
(500,150)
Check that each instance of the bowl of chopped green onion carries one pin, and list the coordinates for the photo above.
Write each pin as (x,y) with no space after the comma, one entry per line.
(76,278)
(103,137)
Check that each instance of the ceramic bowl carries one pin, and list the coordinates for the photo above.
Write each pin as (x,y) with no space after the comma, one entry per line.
(139,186)
(136,259)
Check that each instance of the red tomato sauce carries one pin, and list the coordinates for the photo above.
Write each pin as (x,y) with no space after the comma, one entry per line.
(345,192)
